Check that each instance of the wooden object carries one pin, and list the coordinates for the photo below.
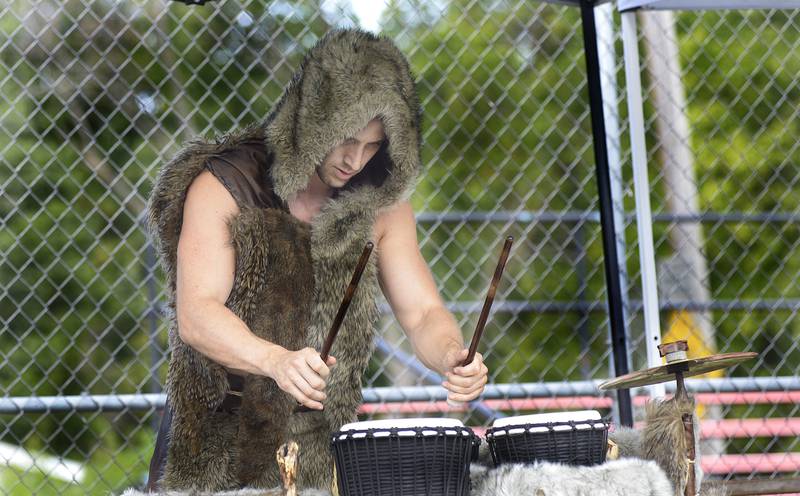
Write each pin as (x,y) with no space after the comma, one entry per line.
(487,305)
(348,296)
(287,465)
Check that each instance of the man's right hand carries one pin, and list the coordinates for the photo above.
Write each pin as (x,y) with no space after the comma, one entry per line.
(302,374)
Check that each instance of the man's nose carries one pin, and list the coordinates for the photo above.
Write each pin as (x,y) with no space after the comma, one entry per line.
(355,154)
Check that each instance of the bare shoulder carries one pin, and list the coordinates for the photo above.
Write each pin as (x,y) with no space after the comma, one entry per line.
(207,196)
(205,259)
(206,212)
(398,218)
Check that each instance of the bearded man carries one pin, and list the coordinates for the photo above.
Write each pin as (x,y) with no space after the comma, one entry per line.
(258,234)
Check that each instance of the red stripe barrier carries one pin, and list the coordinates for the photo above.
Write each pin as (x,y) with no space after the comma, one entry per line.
(765,463)
(567,402)
(580,402)
(749,398)
(724,429)
(737,428)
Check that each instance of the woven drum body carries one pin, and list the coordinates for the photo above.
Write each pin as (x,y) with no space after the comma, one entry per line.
(404,457)
(572,438)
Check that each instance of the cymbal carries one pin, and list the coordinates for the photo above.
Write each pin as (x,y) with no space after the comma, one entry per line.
(690,367)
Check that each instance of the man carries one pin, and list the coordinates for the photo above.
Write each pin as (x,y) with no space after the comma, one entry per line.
(258,234)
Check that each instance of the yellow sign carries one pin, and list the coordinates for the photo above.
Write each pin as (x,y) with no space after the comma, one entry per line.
(682,325)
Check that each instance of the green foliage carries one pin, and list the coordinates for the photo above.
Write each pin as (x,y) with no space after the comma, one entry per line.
(743,100)
(98,97)
(110,468)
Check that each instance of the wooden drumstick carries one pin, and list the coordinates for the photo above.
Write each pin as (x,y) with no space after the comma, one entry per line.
(487,305)
(337,321)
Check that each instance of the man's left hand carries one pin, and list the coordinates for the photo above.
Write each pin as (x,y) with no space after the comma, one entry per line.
(465,383)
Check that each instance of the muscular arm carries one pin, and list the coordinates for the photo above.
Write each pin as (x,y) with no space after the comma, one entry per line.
(205,272)
(410,290)
(205,278)
(408,285)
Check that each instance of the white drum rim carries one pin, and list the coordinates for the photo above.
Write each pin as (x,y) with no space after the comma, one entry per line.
(405,427)
(581,420)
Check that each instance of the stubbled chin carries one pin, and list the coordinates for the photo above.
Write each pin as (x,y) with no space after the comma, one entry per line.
(334,182)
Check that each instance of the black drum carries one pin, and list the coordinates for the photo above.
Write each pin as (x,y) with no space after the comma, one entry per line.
(573,438)
(404,457)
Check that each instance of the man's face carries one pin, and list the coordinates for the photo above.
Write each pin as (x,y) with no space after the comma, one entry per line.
(347,159)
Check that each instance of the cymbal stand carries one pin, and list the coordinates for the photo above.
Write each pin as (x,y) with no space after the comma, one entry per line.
(676,355)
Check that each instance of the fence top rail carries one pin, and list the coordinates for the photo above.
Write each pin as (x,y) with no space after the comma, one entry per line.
(580,216)
(555,306)
(145,402)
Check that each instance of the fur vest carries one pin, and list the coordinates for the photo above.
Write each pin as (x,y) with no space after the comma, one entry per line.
(290,276)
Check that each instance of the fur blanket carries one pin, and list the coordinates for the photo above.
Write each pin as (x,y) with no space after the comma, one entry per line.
(662,440)
(241,492)
(628,477)
(650,464)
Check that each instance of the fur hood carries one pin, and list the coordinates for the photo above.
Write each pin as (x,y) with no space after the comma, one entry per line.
(346,80)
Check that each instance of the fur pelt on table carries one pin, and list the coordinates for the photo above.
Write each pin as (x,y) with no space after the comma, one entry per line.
(662,440)
(277,491)
(652,463)
(628,477)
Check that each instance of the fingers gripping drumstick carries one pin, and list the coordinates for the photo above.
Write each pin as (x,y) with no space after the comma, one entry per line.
(337,321)
(487,305)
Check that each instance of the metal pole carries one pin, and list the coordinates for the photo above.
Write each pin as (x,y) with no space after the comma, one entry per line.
(644,216)
(786,390)
(583,324)
(608,82)
(611,263)
(604,15)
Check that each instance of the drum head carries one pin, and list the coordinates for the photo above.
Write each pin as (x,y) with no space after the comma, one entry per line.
(573,438)
(404,427)
(402,423)
(590,417)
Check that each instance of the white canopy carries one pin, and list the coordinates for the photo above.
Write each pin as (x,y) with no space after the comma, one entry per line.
(706,4)
(575,3)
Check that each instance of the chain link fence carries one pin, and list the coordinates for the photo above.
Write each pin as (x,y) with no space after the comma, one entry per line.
(95,96)
(723,91)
